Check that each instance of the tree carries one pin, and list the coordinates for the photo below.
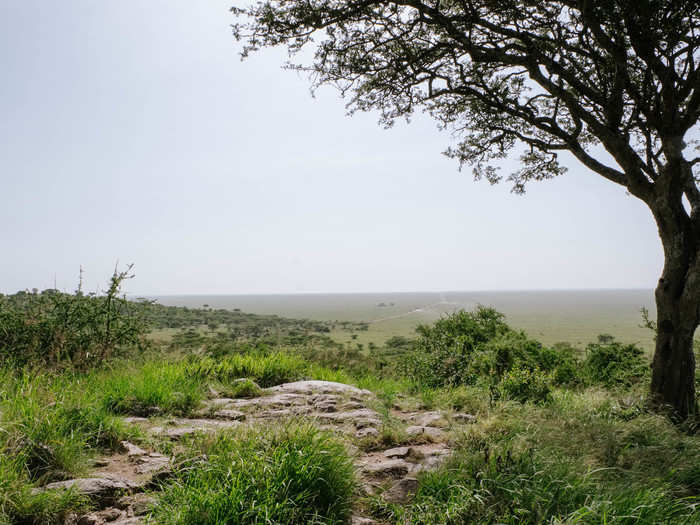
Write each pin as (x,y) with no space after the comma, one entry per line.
(538,77)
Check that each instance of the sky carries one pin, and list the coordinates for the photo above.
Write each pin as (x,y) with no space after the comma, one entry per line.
(131,132)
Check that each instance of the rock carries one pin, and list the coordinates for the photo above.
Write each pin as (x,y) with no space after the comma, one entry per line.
(351,405)
(132,450)
(323,387)
(431,433)
(434,458)
(175,433)
(103,516)
(275,414)
(359,520)
(429,419)
(139,503)
(102,488)
(325,402)
(366,415)
(399,452)
(394,468)
(326,407)
(401,491)
(229,414)
(464,418)
(367,432)
(153,464)
(220,402)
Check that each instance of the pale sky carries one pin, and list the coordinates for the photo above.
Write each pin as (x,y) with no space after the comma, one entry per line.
(131,131)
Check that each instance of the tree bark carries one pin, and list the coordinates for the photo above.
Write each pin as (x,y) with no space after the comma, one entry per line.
(678,311)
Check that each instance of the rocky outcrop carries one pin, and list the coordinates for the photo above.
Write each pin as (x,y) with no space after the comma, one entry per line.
(118,481)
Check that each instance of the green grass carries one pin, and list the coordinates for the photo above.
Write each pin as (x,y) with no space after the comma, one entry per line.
(50,427)
(588,456)
(293,474)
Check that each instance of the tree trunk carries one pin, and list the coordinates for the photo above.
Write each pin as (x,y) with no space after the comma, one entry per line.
(678,313)
(673,368)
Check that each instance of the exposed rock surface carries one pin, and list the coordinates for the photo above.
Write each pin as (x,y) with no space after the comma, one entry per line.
(118,481)
(401,491)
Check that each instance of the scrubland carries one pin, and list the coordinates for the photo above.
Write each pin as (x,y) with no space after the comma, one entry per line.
(558,435)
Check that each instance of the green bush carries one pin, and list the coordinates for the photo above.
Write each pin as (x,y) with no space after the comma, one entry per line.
(55,328)
(295,474)
(464,347)
(244,388)
(524,384)
(611,363)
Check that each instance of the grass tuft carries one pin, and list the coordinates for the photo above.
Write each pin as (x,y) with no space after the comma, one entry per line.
(293,474)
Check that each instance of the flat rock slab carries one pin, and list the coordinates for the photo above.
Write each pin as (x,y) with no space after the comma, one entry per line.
(429,419)
(132,450)
(399,452)
(230,414)
(99,488)
(432,433)
(401,491)
(367,432)
(318,387)
(394,468)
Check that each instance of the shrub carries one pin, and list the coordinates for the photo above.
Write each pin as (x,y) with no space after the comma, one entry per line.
(244,388)
(465,346)
(56,328)
(293,474)
(611,363)
(524,384)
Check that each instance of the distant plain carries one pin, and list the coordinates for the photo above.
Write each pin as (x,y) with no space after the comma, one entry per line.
(573,316)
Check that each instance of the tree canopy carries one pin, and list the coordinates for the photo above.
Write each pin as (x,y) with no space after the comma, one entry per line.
(552,75)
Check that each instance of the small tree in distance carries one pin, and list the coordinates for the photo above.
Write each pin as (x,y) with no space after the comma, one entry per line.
(549,76)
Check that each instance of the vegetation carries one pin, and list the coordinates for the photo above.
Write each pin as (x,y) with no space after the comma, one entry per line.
(56,328)
(536,78)
(289,474)
(562,435)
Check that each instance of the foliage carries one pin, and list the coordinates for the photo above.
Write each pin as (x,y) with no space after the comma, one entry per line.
(55,328)
(244,387)
(525,384)
(613,364)
(293,474)
(466,347)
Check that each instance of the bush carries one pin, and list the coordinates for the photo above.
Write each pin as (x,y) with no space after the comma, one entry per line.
(611,363)
(295,474)
(466,346)
(244,388)
(54,328)
(524,384)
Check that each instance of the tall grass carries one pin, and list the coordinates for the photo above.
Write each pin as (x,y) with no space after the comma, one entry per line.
(294,474)
(50,427)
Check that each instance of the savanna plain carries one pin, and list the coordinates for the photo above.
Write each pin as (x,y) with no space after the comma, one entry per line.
(424,408)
